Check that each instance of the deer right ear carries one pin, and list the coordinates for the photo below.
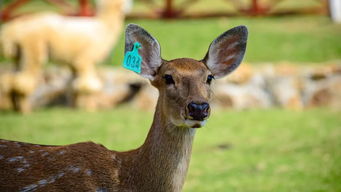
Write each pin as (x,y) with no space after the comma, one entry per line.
(149,51)
(227,51)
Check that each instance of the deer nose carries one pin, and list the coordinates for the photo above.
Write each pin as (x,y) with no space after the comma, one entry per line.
(198,111)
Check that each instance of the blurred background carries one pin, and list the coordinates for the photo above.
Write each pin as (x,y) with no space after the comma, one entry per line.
(275,125)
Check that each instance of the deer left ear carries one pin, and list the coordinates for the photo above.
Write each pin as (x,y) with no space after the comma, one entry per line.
(227,51)
(150,51)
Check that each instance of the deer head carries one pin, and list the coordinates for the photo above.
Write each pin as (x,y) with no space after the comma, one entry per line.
(185,84)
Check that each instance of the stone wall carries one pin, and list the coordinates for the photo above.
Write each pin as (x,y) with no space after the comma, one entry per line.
(280,85)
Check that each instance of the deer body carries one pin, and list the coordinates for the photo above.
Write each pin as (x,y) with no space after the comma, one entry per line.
(161,163)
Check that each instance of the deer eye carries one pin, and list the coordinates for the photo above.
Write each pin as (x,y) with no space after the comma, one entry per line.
(169,79)
(209,79)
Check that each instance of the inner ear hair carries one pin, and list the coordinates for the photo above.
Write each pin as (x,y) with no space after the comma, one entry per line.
(226,52)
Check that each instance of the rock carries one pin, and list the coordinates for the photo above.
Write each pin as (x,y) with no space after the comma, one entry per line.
(250,95)
(283,85)
(53,89)
(242,75)
(325,92)
(285,92)
(146,99)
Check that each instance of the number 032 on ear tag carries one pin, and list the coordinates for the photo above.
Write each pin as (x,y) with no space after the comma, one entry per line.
(132,59)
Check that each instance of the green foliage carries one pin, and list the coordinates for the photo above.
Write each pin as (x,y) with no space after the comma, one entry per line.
(293,39)
(255,150)
(272,39)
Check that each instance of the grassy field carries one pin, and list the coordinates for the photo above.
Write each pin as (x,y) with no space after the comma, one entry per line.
(198,6)
(293,39)
(256,150)
(288,39)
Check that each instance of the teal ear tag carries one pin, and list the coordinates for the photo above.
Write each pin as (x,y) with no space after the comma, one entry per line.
(132,59)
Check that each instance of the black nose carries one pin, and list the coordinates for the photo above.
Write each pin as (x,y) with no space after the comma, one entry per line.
(198,111)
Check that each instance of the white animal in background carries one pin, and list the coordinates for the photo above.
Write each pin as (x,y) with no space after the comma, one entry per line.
(77,41)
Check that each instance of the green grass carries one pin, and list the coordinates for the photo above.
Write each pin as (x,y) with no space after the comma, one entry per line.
(292,39)
(274,39)
(255,150)
(198,6)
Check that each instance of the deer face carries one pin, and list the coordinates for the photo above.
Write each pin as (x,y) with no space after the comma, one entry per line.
(185,84)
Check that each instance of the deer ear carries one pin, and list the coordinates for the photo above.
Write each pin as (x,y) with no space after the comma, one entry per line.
(149,51)
(227,51)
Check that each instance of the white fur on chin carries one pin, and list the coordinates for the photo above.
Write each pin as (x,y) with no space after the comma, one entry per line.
(194,123)
(188,123)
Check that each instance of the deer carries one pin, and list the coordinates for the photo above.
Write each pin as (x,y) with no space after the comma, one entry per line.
(161,162)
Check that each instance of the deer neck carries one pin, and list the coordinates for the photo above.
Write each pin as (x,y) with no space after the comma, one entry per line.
(162,161)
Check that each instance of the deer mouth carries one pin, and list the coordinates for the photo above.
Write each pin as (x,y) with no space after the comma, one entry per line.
(188,123)
(195,123)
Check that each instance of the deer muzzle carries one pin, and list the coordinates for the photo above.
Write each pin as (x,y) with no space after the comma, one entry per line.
(198,111)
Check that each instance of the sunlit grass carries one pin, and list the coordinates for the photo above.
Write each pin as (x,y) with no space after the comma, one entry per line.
(292,39)
(289,39)
(255,150)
